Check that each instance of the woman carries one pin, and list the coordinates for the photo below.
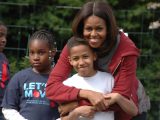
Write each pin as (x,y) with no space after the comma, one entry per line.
(117,54)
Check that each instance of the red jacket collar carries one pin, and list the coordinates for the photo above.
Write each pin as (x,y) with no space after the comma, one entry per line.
(126,47)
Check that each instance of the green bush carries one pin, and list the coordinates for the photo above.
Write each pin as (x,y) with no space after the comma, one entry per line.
(17,65)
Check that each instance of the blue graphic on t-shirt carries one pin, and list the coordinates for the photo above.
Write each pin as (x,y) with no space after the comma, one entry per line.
(34,89)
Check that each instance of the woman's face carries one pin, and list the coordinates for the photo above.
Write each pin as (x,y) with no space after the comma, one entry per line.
(95,31)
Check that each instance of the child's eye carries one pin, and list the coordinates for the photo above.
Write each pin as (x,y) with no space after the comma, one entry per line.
(42,52)
(75,59)
(31,53)
(85,56)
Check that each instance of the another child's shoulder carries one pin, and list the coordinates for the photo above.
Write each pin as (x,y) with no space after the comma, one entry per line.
(3,56)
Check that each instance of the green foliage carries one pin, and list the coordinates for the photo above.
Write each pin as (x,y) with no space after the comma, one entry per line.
(113,2)
(17,65)
(74,3)
(150,76)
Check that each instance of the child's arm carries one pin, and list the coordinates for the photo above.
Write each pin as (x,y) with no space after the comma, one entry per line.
(82,111)
(67,107)
(12,114)
(127,105)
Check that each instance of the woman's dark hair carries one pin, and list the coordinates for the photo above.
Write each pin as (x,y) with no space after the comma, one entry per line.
(102,10)
(44,35)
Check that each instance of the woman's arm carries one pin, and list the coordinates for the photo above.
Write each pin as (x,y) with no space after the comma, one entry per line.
(127,105)
(67,107)
(125,79)
(60,93)
(12,114)
(126,84)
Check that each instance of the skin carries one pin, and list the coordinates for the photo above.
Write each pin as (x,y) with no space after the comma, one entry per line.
(89,111)
(85,111)
(95,31)
(82,58)
(3,40)
(127,105)
(39,56)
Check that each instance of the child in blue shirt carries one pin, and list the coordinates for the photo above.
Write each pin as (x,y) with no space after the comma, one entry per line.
(25,97)
(4,64)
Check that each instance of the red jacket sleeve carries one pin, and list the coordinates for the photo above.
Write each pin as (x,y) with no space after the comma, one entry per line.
(125,80)
(126,83)
(55,90)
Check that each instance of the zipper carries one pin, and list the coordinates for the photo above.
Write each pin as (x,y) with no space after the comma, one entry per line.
(117,67)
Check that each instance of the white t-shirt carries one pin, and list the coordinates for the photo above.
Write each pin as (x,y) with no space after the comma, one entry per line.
(101,82)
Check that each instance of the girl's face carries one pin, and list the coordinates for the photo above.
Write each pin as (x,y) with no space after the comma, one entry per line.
(95,31)
(39,56)
(82,59)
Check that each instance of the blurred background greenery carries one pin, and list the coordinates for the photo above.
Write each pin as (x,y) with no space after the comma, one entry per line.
(139,18)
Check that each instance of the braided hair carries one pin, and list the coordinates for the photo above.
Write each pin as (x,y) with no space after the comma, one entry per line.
(44,35)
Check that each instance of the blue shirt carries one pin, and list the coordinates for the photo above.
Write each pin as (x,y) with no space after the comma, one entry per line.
(26,93)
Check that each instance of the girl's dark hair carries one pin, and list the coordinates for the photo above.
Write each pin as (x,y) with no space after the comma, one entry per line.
(44,35)
(104,11)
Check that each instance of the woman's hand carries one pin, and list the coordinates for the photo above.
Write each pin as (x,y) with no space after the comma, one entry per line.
(111,98)
(126,105)
(97,99)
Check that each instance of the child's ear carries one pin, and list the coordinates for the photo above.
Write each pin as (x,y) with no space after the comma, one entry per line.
(70,61)
(52,53)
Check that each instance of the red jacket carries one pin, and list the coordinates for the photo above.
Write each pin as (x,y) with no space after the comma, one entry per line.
(123,67)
